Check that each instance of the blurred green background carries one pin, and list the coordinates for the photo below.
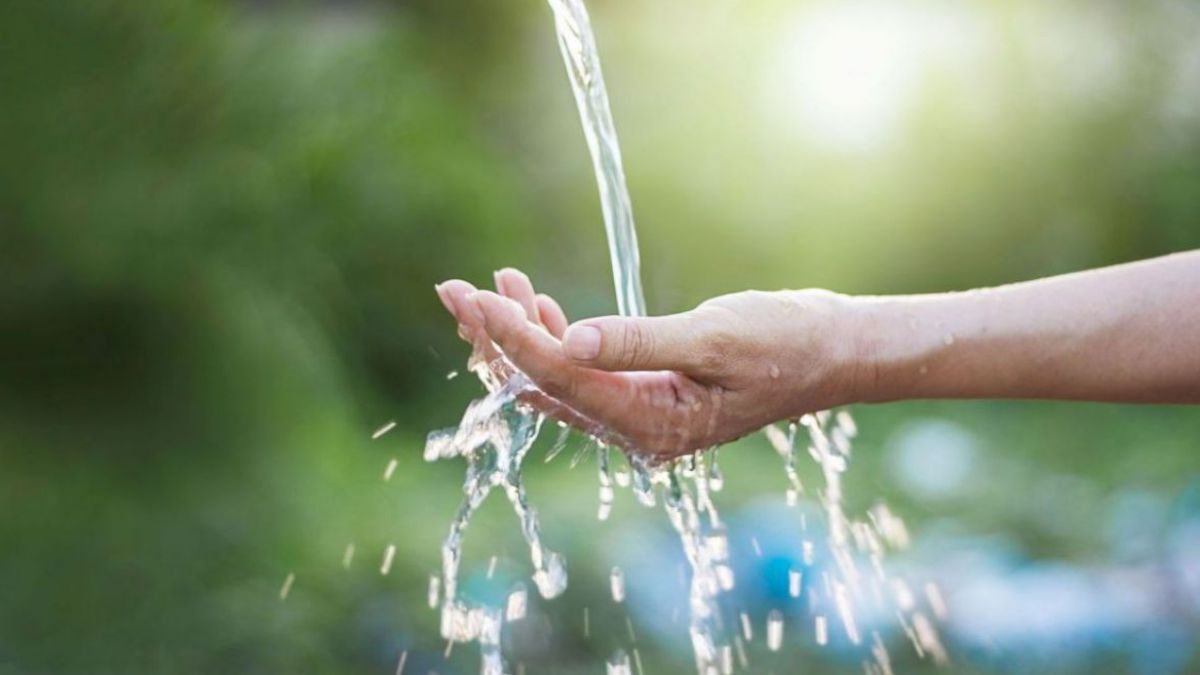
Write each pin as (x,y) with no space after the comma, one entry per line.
(221,223)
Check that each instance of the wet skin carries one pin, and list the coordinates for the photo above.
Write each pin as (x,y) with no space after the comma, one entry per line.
(675,384)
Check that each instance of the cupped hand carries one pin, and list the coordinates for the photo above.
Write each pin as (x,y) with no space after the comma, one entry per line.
(668,385)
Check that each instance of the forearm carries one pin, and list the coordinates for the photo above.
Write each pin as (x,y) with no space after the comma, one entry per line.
(1124,333)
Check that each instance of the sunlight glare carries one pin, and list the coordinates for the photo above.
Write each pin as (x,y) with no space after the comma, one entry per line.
(848,72)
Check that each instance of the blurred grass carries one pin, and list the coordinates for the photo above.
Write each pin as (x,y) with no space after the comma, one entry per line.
(220,225)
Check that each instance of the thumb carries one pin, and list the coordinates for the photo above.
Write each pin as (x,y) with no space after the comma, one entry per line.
(674,342)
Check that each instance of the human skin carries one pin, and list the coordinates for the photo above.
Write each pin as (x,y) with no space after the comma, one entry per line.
(675,384)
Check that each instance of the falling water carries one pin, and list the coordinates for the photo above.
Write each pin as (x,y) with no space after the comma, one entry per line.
(494,436)
(685,484)
(578,46)
(497,431)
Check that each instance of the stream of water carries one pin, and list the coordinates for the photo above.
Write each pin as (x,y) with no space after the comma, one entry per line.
(497,431)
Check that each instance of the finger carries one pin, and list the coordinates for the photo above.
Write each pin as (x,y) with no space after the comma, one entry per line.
(684,342)
(454,295)
(553,316)
(444,295)
(600,396)
(513,283)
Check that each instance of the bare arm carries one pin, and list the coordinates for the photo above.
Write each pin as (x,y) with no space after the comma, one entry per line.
(1125,333)
(673,384)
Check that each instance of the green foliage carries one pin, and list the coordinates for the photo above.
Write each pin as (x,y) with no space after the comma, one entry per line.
(220,226)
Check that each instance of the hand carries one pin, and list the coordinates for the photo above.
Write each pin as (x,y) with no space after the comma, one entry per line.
(674,384)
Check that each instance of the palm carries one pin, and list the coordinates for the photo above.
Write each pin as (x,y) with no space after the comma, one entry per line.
(658,412)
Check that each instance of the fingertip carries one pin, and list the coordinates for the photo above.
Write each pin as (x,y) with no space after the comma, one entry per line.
(453,295)
(444,297)
(552,315)
(581,342)
(455,288)
(494,309)
(509,278)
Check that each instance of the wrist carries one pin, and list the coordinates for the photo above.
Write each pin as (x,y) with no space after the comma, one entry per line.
(890,354)
(920,346)
(829,339)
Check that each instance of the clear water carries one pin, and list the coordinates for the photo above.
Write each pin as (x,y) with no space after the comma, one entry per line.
(497,431)
(582,59)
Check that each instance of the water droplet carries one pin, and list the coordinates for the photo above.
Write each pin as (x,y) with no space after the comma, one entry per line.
(551,580)
(794,579)
(287,586)
(383,430)
(741,652)
(617,582)
(559,443)
(388,554)
(774,372)
(774,630)
(948,339)
(842,600)
(846,423)
(726,660)
(822,630)
(434,586)
(618,663)
(515,607)
(348,556)
(621,476)
(391,469)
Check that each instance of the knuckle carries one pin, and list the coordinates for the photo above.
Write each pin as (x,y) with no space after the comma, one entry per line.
(719,349)
(563,387)
(637,346)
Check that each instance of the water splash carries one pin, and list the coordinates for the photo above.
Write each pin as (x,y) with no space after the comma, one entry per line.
(494,436)
(858,577)
(497,431)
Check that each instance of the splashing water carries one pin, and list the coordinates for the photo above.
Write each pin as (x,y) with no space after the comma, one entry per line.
(494,436)
(497,431)
(858,577)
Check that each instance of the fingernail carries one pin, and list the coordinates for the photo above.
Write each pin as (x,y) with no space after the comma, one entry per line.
(582,342)
(499,281)
(475,308)
(441,292)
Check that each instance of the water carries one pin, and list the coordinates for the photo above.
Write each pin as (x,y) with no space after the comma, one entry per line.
(497,431)
(494,437)
(775,630)
(858,578)
(617,581)
(517,603)
(618,663)
(582,59)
